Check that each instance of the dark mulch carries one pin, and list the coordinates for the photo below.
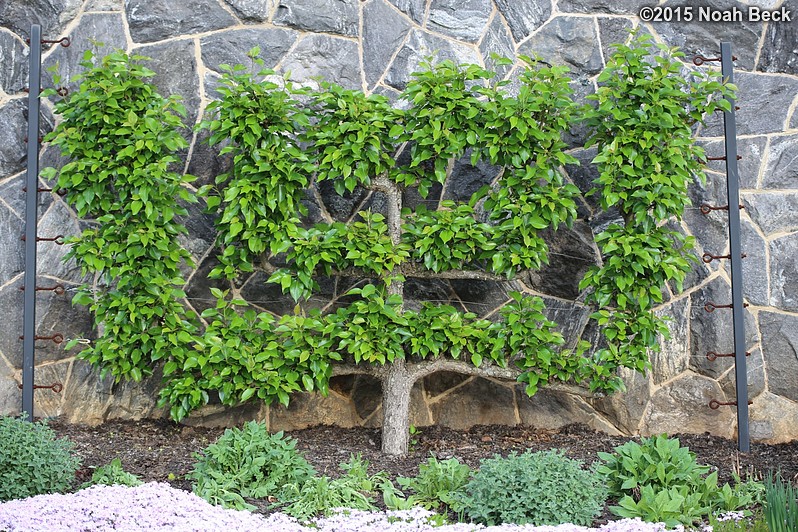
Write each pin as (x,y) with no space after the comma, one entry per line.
(159,450)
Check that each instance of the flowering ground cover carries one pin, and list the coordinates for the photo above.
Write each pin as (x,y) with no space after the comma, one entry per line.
(158,506)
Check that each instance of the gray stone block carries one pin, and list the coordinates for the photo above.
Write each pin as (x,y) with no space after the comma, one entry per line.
(524,16)
(674,355)
(773,419)
(206,163)
(613,30)
(383,32)
(615,7)
(773,212)
(682,407)
(105,5)
(420,45)
(46,402)
(764,102)
(568,41)
(779,47)
(755,371)
(467,179)
(415,9)
(12,249)
(780,352)
(497,41)
(700,37)
(442,381)
(752,151)
(711,230)
(13,63)
(626,409)
(13,148)
(231,47)
(784,272)
(333,59)
(482,297)
(781,170)
(571,319)
(714,331)
(58,220)
(52,15)
(253,11)
(571,254)
(550,410)
(175,67)
(102,33)
(325,16)
(464,20)
(755,265)
(10,394)
(341,207)
(477,402)
(156,20)
(435,291)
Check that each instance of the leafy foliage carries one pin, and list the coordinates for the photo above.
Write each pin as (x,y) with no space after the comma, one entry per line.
(437,484)
(355,489)
(112,473)
(542,488)
(659,462)
(32,460)
(672,506)
(641,126)
(122,138)
(248,462)
(781,504)
(659,480)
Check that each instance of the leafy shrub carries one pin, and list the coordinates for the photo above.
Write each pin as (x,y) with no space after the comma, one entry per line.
(542,488)
(672,506)
(659,480)
(659,462)
(781,506)
(437,483)
(112,473)
(248,462)
(356,489)
(32,460)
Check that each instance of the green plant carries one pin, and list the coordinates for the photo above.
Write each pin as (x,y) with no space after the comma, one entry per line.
(112,473)
(122,139)
(641,126)
(32,460)
(737,522)
(781,504)
(542,488)
(355,489)
(248,462)
(437,483)
(658,461)
(672,506)
(671,476)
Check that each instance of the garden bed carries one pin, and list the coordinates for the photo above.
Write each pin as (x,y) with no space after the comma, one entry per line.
(162,451)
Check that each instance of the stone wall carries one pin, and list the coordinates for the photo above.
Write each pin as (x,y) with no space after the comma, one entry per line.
(374,45)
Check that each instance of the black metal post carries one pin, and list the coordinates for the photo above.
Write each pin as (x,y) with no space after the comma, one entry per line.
(31,214)
(735,247)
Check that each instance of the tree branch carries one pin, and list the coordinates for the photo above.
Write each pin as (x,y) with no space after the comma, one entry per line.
(419,370)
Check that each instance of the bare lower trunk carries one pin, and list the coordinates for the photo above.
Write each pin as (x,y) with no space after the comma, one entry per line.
(396,386)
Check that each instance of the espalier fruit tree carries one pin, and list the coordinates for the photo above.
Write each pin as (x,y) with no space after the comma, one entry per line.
(286,141)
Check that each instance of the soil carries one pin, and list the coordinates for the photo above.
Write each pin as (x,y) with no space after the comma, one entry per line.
(160,450)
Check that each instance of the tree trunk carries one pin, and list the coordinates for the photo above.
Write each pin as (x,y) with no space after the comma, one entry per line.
(396,386)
